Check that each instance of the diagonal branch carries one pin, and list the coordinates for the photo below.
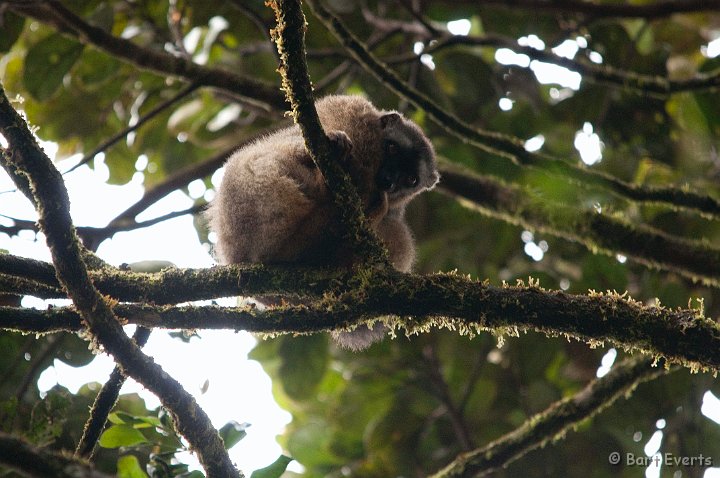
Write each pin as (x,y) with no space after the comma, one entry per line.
(506,146)
(104,403)
(654,85)
(93,236)
(55,222)
(555,421)
(144,119)
(597,231)
(252,91)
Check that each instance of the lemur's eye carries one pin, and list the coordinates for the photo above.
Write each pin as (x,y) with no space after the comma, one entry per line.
(411,181)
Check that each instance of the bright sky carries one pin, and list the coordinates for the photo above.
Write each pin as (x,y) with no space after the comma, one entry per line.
(238,388)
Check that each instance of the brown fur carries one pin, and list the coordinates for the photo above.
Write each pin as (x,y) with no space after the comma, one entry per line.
(274,207)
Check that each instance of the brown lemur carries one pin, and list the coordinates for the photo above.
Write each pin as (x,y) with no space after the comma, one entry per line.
(273,205)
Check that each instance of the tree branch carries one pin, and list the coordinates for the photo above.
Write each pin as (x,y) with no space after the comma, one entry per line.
(289,35)
(173,285)
(506,146)
(19,286)
(104,403)
(658,86)
(555,421)
(441,390)
(52,12)
(30,269)
(143,119)
(93,236)
(597,231)
(418,303)
(660,9)
(55,222)
(36,462)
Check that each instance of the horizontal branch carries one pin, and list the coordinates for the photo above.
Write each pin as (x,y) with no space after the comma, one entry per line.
(29,460)
(418,303)
(554,422)
(19,286)
(659,9)
(253,91)
(93,236)
(27,268)
(599,232)
(174,285)
(506,146)
(654,85)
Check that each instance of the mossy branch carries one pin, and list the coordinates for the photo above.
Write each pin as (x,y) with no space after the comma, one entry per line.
(599,232)
(553,423)
(505,146)
(174,285)
(19,286)
(418,303)
(289,36)
(53,208)
(36,462)
(104,403)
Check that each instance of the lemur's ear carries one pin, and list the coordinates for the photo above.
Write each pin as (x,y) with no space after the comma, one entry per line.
(389,119)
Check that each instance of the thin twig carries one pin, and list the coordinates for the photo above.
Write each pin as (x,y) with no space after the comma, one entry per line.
(142,120)
(254,93)
(506,146)
(555,421)
(651,85)
(442,392)
(104,403)
(659,9)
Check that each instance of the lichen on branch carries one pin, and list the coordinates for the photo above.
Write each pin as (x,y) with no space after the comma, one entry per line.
(289,37)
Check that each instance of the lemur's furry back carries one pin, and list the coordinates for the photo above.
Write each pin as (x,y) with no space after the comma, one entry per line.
(274,207)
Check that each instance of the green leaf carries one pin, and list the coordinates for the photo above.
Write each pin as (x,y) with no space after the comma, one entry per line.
(11,26)
(122,418)
(96,67)
(232,432)
(121,435)
(128,466)
(277,468)
(193,474)
(46,64)
(49,416)
(304,361)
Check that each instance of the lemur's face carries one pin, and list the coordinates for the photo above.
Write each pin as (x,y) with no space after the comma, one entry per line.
(408,165)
